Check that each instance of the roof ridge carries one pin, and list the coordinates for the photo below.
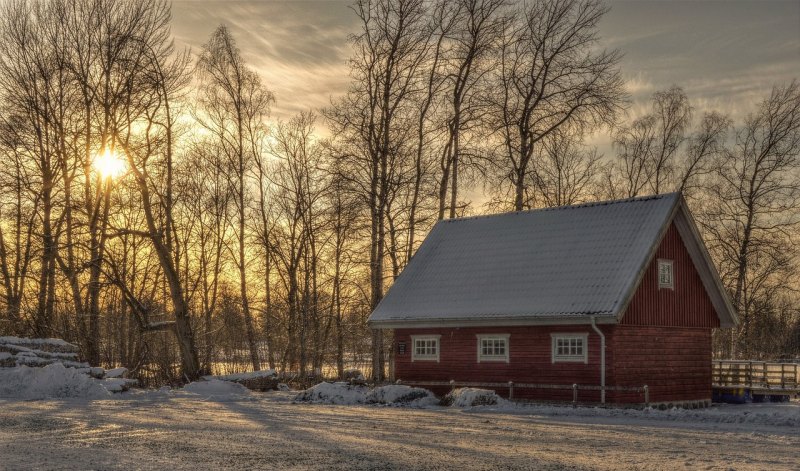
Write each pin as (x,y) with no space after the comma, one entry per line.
(591,204)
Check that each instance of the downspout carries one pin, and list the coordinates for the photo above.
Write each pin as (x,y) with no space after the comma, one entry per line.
(602,360)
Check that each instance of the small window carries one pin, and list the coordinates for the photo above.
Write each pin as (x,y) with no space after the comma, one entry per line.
(665,279)
(570,348)
(493,347)
(425,347)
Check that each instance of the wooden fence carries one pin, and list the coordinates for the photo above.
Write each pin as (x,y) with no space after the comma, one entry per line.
(511,386)
(756,375)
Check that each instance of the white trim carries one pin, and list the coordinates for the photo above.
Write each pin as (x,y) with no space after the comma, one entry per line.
(556,358)
(503,337)
(433,323)
(416,357)
(671,264)
(728,317)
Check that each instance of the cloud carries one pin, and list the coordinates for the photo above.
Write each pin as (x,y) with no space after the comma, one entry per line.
(726,55)
(300,49)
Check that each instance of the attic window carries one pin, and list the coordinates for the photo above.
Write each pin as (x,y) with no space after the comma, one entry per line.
(665,277)
(425,347)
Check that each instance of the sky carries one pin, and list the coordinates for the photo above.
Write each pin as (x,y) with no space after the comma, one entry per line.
(725,54)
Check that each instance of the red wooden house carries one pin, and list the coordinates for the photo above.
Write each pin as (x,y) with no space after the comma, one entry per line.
(533,296)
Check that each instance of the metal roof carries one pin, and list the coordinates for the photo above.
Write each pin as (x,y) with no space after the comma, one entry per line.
(559,264)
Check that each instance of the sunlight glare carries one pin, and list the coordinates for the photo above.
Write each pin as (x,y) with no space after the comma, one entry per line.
(109,164)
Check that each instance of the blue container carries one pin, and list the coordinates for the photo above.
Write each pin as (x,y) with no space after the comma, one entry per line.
(732,395)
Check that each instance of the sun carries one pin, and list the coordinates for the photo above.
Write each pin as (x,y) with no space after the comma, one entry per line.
(109,164)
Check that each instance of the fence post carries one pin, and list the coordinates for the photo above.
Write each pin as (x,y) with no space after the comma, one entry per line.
(452,385)
(783,375)
(574,395)
(510,390)
(646,396)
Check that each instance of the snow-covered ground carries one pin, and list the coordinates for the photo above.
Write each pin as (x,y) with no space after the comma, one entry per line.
(212,426)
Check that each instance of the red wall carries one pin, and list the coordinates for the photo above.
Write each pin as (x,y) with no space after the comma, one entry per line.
(674,362)
(687,305)
(529,355)
(663,340)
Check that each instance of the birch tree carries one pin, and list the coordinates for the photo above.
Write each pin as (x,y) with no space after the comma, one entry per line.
(751,223)
(234,106)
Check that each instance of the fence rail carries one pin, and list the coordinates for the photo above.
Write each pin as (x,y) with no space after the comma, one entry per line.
(771,376)
(511,386)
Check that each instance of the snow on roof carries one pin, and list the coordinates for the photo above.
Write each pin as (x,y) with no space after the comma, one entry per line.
(557,263)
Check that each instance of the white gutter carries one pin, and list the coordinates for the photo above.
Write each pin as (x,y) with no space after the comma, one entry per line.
(602,361)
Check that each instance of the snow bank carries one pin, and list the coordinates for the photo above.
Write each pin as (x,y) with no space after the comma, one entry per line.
(217,390)
(334,393)
(52,381)
(344,393)
(471,397)
(401,394)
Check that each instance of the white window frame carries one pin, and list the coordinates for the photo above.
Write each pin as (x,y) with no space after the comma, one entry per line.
(671,284)
(501,358)
(418,357)
(556,358)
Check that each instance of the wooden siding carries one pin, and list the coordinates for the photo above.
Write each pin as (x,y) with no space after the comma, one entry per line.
(687,305)
(674,362)
(530,360)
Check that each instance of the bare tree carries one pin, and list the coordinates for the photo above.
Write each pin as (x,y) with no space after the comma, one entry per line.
(147,140)
(752,211)
(704,147)
(18,212)
(564,170)
(235,104)
(550,77)
(652,152)
(477,25)
(388,53)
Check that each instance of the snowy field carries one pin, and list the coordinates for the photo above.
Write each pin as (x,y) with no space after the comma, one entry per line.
(209,427)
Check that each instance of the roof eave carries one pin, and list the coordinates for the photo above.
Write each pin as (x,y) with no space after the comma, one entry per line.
(581,319)
(622,307)
(693,242)
(705,267)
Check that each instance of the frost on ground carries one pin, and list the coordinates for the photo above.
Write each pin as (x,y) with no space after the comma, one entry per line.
(778,414)
(180,431)
(217,390)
